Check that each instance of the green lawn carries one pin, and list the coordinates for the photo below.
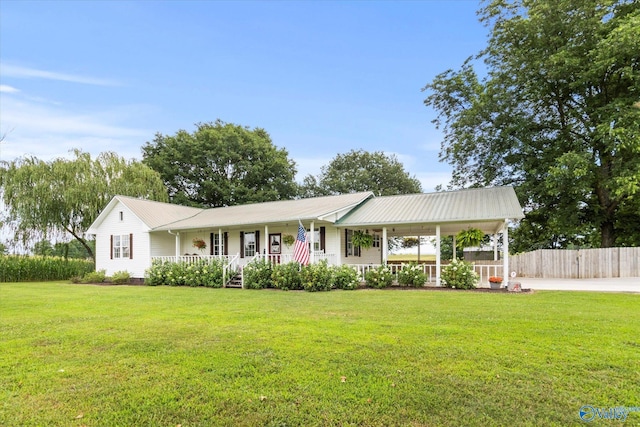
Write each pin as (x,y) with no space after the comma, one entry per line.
(74,355)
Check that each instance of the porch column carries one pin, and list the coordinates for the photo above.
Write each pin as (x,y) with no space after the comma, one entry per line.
(438,255)
(266,241)
(384,246)
(454,248)
(312,252)
(220,244)
(495,247)
(178,245)
(505,251)
(419,241)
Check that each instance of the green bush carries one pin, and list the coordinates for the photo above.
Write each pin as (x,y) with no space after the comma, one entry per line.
(459,275)
(22,268)
(317,277)
(287,276)
(412,275)
(257,274)
(345,277)
(204,272)
(94,277)
(379,277)
(120,277)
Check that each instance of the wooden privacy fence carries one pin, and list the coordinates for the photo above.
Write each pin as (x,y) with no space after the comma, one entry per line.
(577,263)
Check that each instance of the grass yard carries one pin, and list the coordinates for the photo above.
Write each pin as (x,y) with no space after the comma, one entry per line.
(83,355)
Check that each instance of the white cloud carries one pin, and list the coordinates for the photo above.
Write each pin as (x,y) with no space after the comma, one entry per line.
(310,166)
(30,73)
(47,131)
(429,180)
(8,89)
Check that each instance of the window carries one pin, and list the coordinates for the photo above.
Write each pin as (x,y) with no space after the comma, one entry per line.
(121,246)
(376,240)
(217,245)
(249,244)
(316,240)
(351,250)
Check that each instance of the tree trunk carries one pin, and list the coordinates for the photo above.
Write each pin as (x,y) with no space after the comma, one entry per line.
(607,235)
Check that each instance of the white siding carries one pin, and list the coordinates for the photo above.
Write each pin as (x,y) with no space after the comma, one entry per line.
(130,224)
(162,243)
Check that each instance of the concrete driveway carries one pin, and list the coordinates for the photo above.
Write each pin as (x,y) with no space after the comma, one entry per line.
(619,284)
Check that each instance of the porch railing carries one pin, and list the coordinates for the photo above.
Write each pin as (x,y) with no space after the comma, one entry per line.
(286,258)
(484,271)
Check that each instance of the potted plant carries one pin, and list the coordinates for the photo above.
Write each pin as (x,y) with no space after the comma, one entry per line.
(199,243)
(469,237)
(362,239)
(495,282)
(288,239)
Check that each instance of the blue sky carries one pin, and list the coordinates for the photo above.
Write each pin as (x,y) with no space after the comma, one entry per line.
(321,77)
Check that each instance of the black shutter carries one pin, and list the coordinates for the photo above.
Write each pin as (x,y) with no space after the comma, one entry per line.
(257,236)
(226,243)
(242,244)
(111,250)
(131,246)
(211,250)
(346,243)
(322,238)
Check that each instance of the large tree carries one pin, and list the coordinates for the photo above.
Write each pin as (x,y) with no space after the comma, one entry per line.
(361,171)
(556,114)
(221,164)
(64,196)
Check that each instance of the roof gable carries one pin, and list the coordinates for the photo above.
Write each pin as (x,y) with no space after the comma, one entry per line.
(151,213)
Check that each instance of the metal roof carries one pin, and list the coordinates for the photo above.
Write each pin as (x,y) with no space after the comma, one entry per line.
(470,205)
(155,214)
(269,212)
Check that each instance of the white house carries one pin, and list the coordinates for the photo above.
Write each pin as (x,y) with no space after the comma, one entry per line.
(131,232)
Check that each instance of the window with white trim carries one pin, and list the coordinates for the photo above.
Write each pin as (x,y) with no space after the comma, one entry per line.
(376,240)
(316,240)
(217,246)
(121,246)
(249,244)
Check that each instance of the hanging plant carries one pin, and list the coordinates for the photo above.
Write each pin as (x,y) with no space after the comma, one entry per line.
(288,239)
(469,237)
(199,243)
(362,239)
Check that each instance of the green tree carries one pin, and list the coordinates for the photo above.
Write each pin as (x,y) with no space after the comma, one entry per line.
(63,197)
(221,164)
(556,115)
(361,171)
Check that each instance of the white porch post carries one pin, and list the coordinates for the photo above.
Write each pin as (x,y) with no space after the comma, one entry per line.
(178,246)
(495,247)
(312,252)
(419,241)
(505,250)
(266,241)
(454,248)
(384,246)
(438,255)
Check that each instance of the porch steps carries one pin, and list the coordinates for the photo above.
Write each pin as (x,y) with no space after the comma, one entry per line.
(235,282)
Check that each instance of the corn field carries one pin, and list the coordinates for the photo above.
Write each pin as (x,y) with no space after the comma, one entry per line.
(21,268)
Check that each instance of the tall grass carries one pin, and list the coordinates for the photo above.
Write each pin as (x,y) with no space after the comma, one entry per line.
(22,268)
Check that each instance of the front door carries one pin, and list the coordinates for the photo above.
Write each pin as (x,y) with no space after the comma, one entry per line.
(275,247)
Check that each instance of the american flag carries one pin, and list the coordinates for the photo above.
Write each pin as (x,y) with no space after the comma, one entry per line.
(301,248)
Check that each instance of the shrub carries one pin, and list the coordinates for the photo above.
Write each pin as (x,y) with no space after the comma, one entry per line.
(286,276)
(459,275)
(202,272)
(22,268)
(257,274)
(412,275)
(121,277)
(379,277)
(94,277)
(317,277)
(345,277)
